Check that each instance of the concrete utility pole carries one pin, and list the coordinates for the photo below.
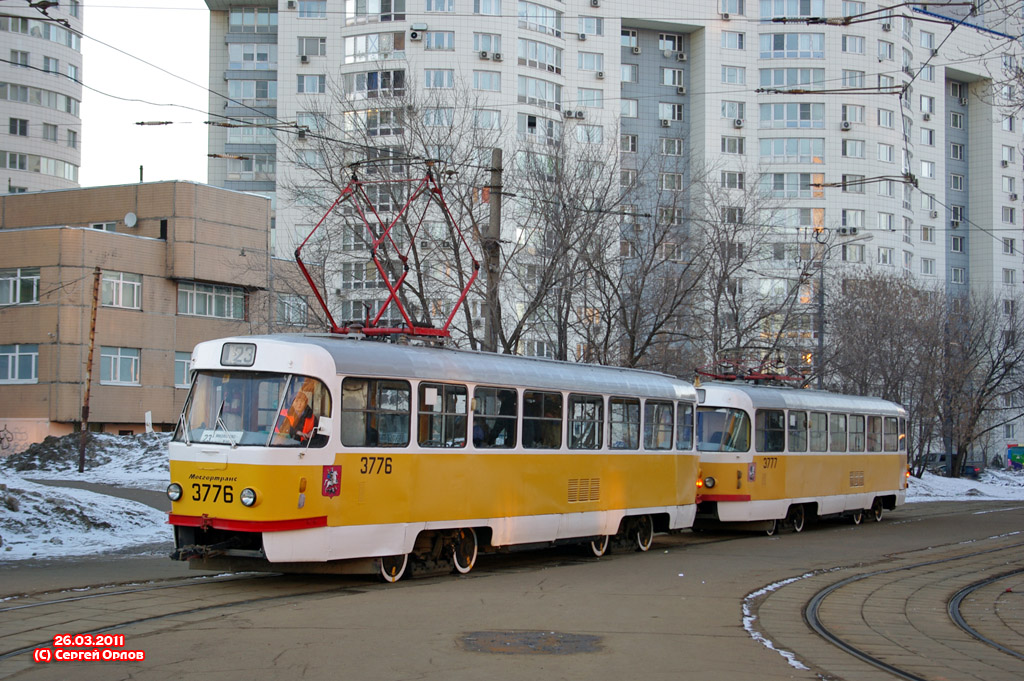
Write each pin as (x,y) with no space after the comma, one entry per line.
(88,370)
(492,256)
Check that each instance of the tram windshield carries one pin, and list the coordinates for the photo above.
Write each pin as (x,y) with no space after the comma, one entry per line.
(722,430)
(250,408)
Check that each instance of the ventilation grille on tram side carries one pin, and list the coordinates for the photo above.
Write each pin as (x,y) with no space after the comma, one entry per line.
(584,489)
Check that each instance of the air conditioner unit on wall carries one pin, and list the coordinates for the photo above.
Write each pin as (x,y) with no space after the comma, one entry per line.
(304,58)
(845,125)
(955,224)
(926,117)
(484,54)
(600,75)
(665,123)
(581,36)
(681,90)
(291,4)
(1005,164)
(963,101)
(496,56)
(680,56)
(737,123)
(595,3)
(580,113)
(934,214)
(1013,197)
(636,50)
(725,16)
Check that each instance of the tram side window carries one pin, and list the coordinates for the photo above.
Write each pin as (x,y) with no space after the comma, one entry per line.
(798,431)
(874,433)
(375,412)
(624,423)
(903,435)
(684,427)
(770,430)
(542,420)
(442,415)
(837,432)
(856,433)
(657,425)
(586,421)
(722,430)
(306,400)
(495,411)
(892,434)
(819,432)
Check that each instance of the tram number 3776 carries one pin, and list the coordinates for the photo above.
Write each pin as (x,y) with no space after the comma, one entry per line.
(201,492)
(375,465)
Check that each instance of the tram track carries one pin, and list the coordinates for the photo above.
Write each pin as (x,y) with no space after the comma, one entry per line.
(906,659)
(18,641)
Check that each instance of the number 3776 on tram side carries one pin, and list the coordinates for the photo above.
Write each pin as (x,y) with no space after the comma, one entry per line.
(325,453)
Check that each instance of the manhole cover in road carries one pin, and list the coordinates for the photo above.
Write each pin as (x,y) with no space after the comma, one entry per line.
(530,642)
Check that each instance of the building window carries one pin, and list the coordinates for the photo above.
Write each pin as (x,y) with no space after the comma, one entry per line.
(956,120)
(630,108)
(853,252)
(1009,184)
(928,137)
(539,18)
(312,84)
(787,78)
(885,50)
(885,256)
(257,20)
(292,309)
(731,40)
(672,182)
(1009,276)
(886,118)
(853,44)
(927,234)
(733,145)
(19,58)
(734,75)
(928,169)
(439,40)
(628,38)
(853,78)
(589,134)
(1009,215)
(50,132)
(956,244)
(671,146)
(956,275)
(540,92)
(119,366)
(19,363)
(734,110)
(885,153)
(734,6)
(793,115)
(732,180)
(670,112)
(887,222)
(590,61)
(956,182)
(630,73)
(487,119)
(853,184)
(487,80)
(18,126)
(487,42)
(72,139)
(19,286)
(182,364)
(441,5)
(928,267)
(628,144)
(121,289)
(591,26)
(312,9)
(956,151)
(208,300)
(488,7)
(1009,245)
(957,212)
(670,41)
(672,77)
(312,47)
(627,178)
(1008,124)
(438,79)
(853,148)
(590,98)
(853,218)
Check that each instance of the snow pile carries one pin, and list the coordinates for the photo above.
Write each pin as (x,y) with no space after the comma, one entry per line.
(138,461)
(992,484)
(38,521)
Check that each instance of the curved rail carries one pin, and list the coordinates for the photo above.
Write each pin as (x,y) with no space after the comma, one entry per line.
(953,608)
(814,622)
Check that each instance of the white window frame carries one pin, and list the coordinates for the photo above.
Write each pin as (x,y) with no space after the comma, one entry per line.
(120,366)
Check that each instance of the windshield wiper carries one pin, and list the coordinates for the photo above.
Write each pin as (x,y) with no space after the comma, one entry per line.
(184,428)
(220,424)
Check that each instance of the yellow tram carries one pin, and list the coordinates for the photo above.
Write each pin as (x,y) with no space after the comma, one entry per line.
(770,455)
(330,453)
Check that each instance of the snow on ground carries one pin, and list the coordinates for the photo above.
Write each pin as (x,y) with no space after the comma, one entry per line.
(38,521)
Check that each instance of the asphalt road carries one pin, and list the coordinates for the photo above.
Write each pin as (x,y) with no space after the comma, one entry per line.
(676,612)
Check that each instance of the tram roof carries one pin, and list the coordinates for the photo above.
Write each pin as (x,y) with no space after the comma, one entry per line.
(389,360)
(770,397)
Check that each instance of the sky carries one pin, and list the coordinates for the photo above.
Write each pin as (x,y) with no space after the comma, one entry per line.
(120,37)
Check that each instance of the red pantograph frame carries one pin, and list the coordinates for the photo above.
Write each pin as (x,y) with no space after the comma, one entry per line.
(355,192)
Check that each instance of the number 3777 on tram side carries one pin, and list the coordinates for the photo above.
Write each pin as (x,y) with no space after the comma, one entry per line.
(325,453)
(780,455)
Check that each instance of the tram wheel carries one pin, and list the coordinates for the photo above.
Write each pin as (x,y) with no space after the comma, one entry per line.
(392,568)
(773,529)
(857,517)
(643,532)
(876,510)
(464,550)
(798,518)
(599,547)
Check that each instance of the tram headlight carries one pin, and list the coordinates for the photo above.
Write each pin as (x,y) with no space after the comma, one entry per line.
(174,491)
(709,482)
(248,497)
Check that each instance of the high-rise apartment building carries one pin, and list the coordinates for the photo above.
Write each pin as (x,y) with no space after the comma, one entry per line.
(40,96)
(883,136)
